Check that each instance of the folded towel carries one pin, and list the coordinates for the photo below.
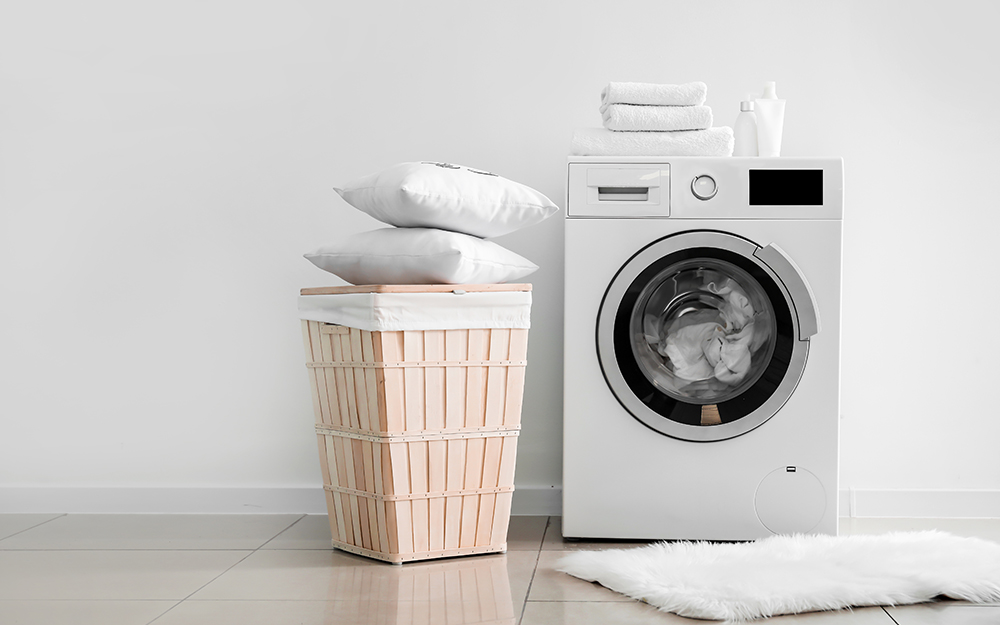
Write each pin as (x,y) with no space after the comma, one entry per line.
(688,94)
(603,142)
(640,117)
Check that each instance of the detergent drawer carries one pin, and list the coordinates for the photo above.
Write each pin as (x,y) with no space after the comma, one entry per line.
(618,190)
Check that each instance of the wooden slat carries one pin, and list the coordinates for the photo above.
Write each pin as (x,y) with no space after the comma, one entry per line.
(371,385)
(349,518)
(369,468)
(380,465)
(437,458)
(475,406)
(473,479)
(340,379)
(324,459)
(334,463)
(496,380)
(418,484)
(324,385)
(491,462)
(455,480)
(403,514)
(501,518)
(395,397)
(377,356)
(391,527)
(434,380)
(456,349)
(347,449)
(331,515)
(413,288)
(515,378)
(508,457)
(318,412)
(413,349)
(360,386)
(491,469)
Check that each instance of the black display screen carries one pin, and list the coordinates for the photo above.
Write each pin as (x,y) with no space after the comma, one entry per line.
(786,187)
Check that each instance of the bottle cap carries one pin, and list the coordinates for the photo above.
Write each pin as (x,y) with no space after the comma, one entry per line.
(769,93)
(747,103)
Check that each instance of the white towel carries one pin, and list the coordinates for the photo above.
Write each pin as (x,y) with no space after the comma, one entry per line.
(603,142)
(688,94)
(640,117)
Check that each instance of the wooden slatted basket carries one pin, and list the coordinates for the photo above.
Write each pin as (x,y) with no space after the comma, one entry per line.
(417,433)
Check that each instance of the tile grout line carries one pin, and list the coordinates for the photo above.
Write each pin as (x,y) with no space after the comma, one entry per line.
(891,618)
(197,590)
(293,524)
(58,516)
(538,557)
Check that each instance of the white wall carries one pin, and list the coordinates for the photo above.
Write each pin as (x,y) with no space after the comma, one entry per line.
(164,166)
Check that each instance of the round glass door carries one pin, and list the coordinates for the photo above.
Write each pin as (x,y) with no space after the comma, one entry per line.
(698,339)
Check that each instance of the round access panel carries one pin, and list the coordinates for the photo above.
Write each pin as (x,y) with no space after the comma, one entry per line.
(790,500)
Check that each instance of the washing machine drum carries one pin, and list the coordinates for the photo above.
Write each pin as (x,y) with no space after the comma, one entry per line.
(703,335)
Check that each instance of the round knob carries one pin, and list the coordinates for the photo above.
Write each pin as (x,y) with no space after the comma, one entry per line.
(704,187)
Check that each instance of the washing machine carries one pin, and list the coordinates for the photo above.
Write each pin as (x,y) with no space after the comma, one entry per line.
(702,347)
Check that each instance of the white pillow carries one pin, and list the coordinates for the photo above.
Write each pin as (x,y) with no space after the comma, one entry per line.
(450,197)
(419,256)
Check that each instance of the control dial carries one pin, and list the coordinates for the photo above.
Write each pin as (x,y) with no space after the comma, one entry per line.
(704,187)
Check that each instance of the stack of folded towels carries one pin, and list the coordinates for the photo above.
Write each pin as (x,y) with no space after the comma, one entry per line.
(643,119)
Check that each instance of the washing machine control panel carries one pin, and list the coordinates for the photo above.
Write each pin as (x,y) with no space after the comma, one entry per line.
(705,188)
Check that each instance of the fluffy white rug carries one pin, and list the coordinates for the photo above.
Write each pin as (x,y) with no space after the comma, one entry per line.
(791,574)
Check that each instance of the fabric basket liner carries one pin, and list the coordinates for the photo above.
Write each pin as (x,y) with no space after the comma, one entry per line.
(390,312)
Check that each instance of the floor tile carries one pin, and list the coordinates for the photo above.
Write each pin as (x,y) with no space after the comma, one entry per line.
(555,542)
(82,612)
(11,524)
(109,575)
(304,575)
(525,533)
(312,531)
(945,613)
(637,613)
(153,531)
(552,585)
(597,613)
(979,528)
(337,612)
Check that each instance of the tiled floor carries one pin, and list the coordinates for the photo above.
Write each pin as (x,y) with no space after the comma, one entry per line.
(275,569)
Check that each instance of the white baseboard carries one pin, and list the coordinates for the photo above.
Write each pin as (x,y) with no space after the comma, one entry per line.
(153,500)
(537,501)
(528,500)
(920,503)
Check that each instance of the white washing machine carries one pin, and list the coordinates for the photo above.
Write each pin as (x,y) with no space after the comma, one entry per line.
(702,347)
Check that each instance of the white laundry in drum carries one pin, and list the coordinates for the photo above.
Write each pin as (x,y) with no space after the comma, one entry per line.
(710,347)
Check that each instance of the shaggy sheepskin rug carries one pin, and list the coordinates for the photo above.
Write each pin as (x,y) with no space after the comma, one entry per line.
(792,574)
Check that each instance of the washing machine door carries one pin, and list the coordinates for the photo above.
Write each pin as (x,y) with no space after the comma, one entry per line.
(704,335)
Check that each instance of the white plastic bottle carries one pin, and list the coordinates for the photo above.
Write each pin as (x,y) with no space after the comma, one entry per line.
(745,129)
(770,121)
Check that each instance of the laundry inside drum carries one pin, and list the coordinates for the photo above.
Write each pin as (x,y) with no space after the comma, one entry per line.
(703,331)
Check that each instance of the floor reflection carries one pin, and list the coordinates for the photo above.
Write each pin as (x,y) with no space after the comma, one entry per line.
(453,591)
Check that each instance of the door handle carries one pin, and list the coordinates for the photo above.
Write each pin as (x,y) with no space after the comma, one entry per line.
(803,299)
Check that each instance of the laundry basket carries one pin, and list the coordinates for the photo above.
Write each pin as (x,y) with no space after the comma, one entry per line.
(417,396)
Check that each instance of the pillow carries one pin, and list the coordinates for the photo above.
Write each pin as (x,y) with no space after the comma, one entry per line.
(450,197)
(420,256)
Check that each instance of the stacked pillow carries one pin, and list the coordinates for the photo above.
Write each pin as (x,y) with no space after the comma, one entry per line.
(441,215)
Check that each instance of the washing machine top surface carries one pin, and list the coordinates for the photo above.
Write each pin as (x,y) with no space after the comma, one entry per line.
(705,188)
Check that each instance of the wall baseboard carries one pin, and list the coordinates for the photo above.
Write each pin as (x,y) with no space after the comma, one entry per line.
(528,500)
(157,500)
